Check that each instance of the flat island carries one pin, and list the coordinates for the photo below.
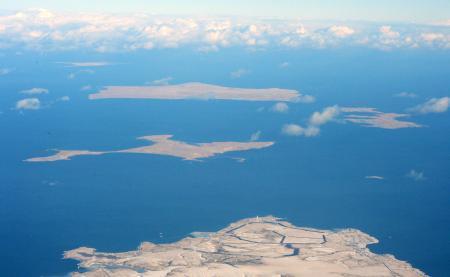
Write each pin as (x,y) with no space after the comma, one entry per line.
(164,145)
(200,91)
(265,246)
(371,117)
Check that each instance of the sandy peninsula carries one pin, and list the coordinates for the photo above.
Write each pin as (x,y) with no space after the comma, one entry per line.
(200,91)
(265,246)
(164,145)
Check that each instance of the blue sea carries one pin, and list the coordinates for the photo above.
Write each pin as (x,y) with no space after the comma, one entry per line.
(113,202)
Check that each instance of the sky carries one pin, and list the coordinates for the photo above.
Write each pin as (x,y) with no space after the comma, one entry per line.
(380,10)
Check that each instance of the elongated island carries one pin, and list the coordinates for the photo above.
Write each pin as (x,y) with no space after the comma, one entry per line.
(196,90)
(264,246)
(164,145)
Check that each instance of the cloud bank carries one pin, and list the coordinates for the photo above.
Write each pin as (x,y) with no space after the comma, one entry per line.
(297,130)
(315,121)
(280,107)
(434,105)
(28,104)
(328,114)
(44,30)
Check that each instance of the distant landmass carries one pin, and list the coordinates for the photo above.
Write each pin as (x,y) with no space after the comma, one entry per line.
(164,145)
(265,246)
(200,91)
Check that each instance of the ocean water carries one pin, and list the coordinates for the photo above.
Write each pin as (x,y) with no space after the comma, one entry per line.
(114,202)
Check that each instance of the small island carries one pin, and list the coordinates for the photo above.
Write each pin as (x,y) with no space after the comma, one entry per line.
(371,117)
(164,145)
(200,91)
(261,246)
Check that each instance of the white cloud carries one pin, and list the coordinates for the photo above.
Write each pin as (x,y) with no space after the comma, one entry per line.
(73,75)
(292,130)
(4,71)
(367,117)
(239,160)
(415,175)
(28,104)
(64,98)
(239,73)
(311,131)
(435,39)
(430,37)
(375,177)
(442,23)
(315,121)
(406,95)
(87,87)
(388,32)
(284,65)
(358,110)
(35,91)
(328,114)
(255,136)
(88,71)
(341,31)
(305,98)
(280,107)
(301,30)
(297,130)
(388,39)
(434,105)
(162,82)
